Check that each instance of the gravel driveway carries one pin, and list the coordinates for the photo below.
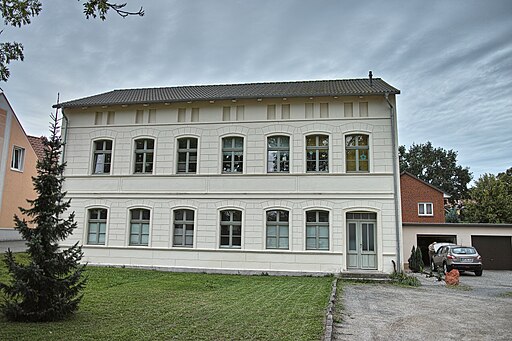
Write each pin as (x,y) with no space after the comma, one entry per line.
(478,309)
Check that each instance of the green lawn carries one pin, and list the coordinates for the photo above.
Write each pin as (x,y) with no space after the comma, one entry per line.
(126,304)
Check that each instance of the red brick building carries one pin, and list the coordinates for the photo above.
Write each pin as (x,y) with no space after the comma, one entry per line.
(421,202)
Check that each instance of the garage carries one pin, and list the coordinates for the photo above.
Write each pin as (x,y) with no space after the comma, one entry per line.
(493,241)
(496,251)
(424,240)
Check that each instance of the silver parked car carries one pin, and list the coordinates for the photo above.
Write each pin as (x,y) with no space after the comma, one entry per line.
(433,248)
(462,258)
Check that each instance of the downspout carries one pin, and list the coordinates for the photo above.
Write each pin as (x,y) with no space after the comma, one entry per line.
(396,178)
(65,138)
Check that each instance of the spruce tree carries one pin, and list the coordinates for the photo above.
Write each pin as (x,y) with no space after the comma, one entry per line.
(420,265)
(49,287)
(412,259)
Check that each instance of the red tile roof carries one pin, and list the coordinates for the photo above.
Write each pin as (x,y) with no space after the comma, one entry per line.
(37,145)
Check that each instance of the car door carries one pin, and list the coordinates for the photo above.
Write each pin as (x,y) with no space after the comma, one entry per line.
(438,256)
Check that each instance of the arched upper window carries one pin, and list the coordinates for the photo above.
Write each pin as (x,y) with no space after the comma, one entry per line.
(144,156)
(102,158)
(233,154)
(317,153)
(187,155)
(278,154)
(357,153)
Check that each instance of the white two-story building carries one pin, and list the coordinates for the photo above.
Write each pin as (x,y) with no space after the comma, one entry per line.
(263,177)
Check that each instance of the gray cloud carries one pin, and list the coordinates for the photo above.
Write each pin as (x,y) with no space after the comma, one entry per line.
(451,59)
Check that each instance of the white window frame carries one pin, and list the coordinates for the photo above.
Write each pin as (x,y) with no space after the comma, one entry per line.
(187,151)
(425,206)
(316,225)
(277,224)
(316,149)
(98,221)
(18,158)
(279,149)
(183,222)
(232,150)
(104,152)
(231,223)
(145,151)
(358,149)
(140,222)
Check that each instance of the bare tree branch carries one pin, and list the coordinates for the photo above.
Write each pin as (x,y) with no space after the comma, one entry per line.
(18,13)
(99,8)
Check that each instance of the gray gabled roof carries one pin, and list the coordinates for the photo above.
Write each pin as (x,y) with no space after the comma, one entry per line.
(338,87)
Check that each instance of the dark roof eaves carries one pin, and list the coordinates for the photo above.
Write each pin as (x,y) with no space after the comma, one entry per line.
(66,105)
(100,100)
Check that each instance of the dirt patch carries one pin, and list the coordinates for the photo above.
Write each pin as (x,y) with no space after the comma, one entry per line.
(478,309)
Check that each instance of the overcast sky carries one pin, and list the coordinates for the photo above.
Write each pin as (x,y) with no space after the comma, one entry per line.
(452,60)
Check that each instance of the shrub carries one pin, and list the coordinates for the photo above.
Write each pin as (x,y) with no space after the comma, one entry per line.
(412,259)
(416,260)
(419,260)
(403,279)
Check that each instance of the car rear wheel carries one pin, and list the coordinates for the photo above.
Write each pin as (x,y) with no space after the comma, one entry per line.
(478,273)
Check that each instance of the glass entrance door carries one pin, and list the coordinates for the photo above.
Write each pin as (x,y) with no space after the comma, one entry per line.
(361,244)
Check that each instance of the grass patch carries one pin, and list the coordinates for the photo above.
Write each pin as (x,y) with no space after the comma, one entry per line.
(403,279)
(338,307)
(128,304)
(506,294)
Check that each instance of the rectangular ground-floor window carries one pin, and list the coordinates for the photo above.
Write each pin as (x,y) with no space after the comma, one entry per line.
(183,228)
(231,228)
(97,226)
(317,230)
(277,229)
(139,227)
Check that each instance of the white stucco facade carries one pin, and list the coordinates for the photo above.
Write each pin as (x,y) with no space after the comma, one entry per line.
(252,192)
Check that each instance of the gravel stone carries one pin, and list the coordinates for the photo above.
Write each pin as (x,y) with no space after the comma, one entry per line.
(478,309)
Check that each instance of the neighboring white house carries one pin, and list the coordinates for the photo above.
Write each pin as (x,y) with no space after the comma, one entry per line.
(263,177)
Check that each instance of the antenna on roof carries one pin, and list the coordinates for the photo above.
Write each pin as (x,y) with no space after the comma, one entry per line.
(370,75)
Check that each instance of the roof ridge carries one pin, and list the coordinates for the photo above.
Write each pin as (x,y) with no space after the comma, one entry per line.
(242,84)
(321,87)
